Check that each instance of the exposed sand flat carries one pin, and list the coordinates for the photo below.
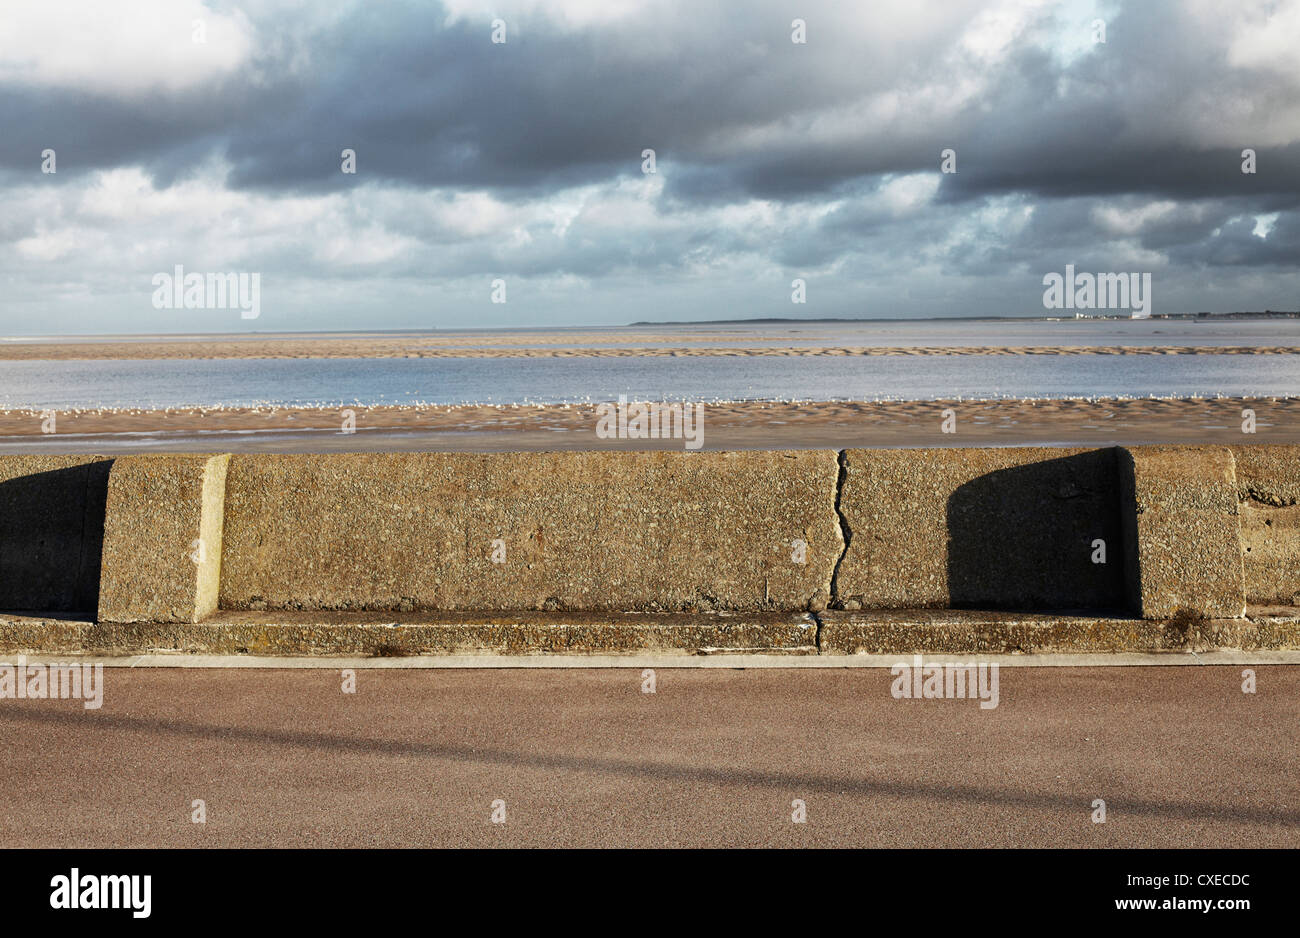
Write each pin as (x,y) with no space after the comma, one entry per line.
(504,347)
(730,425)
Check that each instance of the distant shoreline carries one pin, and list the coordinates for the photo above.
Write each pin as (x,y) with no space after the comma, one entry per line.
(571,330)
(1239,316)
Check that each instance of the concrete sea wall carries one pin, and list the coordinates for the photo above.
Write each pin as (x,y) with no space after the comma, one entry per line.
(792,552)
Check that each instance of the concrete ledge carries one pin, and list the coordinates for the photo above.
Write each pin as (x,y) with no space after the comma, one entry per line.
(957,632)
(530,633)
(831,634)
(1230,658)
(43,634)
(162,538)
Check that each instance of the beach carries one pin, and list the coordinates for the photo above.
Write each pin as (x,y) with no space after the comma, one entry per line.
(764,385)
(726,425)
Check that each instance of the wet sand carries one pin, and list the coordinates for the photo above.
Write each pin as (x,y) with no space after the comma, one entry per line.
(735,425)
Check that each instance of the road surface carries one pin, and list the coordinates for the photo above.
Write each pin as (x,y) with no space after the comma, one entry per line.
(1180,755)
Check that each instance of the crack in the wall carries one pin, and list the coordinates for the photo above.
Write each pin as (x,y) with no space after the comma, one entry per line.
(846,534)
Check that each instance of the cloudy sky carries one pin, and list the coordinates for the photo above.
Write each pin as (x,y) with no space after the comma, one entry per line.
(522,161)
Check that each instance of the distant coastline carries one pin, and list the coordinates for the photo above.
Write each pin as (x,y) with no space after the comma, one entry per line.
(551,335)
(770,320)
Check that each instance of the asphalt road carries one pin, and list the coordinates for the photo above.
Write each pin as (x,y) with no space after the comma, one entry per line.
(1181,756)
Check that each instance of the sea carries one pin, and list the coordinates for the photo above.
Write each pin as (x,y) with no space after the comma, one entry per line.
(170,383)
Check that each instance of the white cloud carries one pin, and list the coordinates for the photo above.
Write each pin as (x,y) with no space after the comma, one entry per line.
(47,246)
(1269,39)
(120,48)
(1130,221)
(575,13)
(903,195)
(1264,224)
(996,28)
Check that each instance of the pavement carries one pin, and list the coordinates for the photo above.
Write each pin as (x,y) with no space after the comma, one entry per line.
(584,757)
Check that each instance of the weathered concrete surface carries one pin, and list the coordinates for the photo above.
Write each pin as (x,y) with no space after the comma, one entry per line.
(968,631)
(364,634)
(51,531)
(1268,474)
(35,634)
(1183,529)
(616,553)
(631,531)
(360,633)
(992,528)
(1270,542)
(162,538)
(1268,495)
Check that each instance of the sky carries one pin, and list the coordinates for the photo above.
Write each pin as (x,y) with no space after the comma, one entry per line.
(211,135)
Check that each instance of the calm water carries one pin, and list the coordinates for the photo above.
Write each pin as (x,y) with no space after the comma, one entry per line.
(64,385)
(149,384)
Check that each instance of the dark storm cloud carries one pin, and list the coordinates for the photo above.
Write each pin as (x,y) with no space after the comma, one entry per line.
(427,103)
(1236,245)
(774,159)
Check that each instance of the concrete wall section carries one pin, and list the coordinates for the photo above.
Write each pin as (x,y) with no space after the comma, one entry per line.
(985,528)
(1170,533)
(1184,529)
(636,531)
(162,538)
(1268,497)
(51,531)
